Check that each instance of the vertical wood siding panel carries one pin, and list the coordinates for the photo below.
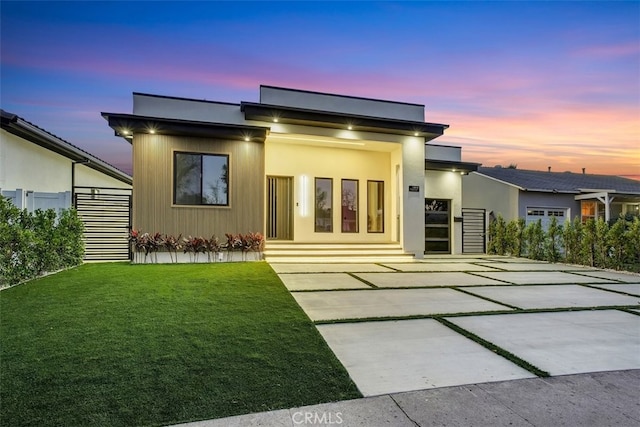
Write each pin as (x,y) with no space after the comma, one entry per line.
(153,187)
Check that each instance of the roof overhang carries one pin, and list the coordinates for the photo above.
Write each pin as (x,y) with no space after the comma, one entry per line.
(327,119)
(32,133)
(609,195)
(126,125)
(451,166)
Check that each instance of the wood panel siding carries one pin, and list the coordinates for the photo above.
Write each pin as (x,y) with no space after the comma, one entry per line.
(153,210)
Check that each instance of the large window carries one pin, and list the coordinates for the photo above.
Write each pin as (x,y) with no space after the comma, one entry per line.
(200,179)
(324,204)
(349,206)
(375,206)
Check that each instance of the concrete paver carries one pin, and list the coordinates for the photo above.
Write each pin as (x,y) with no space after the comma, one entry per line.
(556,296)
(448,266)
(512,259)
(416,279)
(529,266)
(325,268)
(393,356)
(321,281)
(450,260)
(541,277)
(631,288)
(614,275)
(564,342)
(389,302)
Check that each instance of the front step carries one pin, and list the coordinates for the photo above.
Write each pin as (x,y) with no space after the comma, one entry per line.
(289,252)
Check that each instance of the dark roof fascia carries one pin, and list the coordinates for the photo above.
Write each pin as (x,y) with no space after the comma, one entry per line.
(36,135)
(180,98)
(178,127)
(302,116)
(340,96)
(447,165)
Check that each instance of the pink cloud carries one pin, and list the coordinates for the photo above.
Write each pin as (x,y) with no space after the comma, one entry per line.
(610,51)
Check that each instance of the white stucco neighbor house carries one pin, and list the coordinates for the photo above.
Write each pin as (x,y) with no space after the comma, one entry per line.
(542,195)
(39,170)
(319,174)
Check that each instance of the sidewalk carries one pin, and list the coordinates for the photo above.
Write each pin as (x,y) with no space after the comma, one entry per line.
(594,399)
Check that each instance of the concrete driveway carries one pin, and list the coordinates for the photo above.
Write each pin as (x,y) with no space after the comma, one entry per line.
(458,320)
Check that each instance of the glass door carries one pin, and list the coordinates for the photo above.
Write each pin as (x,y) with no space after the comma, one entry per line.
(437,223)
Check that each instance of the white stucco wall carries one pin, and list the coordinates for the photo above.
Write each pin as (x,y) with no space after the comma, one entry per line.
(30,167)
(305,163)
(341,104)
(413,206)
(87,177)
(443,152)
(447,185)
(187,109)
(485,193)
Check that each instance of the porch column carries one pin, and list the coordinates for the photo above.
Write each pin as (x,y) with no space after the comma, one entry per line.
(413,201)
(606,200)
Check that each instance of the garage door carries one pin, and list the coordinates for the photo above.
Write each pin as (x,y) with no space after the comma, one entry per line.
(545,214)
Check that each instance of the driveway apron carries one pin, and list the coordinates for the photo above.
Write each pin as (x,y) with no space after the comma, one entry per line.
(453,321)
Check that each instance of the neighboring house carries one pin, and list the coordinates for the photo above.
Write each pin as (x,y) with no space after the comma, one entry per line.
(38,170)
(308,169)
(534,195)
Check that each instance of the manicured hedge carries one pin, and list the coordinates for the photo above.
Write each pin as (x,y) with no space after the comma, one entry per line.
(595,243)
(32,244)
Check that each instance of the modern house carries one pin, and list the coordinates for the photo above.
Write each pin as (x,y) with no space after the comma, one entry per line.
(39,170)
(533,195)
(316,173)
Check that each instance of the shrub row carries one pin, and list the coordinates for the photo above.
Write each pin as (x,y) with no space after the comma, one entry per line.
(595,243)
(32,244)
(151,244)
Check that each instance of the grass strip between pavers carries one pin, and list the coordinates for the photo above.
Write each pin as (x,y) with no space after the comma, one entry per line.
(494,348)
(474,313)
(121,345)
(626,310)
(495,301)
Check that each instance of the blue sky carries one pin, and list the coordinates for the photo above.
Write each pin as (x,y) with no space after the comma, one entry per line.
(534,83)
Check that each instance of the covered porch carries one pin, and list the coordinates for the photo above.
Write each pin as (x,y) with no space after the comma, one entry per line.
(607,204)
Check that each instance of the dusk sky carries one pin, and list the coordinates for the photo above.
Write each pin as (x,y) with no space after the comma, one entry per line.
(536,84)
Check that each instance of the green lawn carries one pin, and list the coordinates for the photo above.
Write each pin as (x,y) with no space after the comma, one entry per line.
(120,344)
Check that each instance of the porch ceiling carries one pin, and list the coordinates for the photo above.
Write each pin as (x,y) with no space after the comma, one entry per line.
(331,142)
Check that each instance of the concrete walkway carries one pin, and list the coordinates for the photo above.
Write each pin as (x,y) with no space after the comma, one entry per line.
(423,342)
(595,399)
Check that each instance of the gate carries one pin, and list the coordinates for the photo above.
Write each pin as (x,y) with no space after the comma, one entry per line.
(473,231)
(106,214)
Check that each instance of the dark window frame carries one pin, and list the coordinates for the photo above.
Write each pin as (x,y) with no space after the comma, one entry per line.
(315,204)
(201,154)
(357,206)
(381,231)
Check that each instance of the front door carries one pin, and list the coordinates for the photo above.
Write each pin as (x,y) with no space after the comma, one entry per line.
(280,207)
(437,222)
